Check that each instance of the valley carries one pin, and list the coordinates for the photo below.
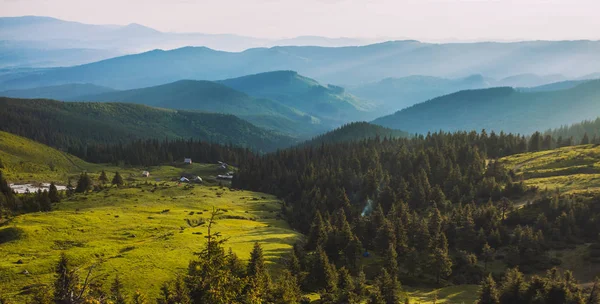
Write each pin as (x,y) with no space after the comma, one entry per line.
(282,152)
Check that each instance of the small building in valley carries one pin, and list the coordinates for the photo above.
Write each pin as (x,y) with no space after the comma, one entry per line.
(187,161)
(146,174)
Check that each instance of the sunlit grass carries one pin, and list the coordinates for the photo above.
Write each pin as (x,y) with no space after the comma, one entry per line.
(140,234)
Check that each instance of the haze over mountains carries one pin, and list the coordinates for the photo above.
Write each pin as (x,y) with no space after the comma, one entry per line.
(35,41)
(499,109)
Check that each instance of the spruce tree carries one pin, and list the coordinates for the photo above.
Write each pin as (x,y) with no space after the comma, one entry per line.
(84,183)
(117,179)
(318,233)
(514,288)
(53,193)
(287,290)
(387,287)
(487,253)
(488,292)
(66,282)
(139,298)
(258,277)
(116,291)
(585,140)
(103,179)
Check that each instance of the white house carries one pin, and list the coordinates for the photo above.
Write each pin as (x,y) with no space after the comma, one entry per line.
(187,161)
(146,174)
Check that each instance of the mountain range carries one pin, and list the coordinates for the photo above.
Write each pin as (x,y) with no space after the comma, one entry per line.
(499,109)
(346,66)
(283,101)
(37,41)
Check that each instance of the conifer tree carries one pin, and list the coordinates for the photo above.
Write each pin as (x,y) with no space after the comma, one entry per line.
(346,287)
(103,179)
(210,280)
(258,277)
(318,233)
(117,179)
(487,253)
(66,282)
(116,291)
(488,292)
(514,288)
(53,193)
(387,287)
(585,140)
(287,290)
(84,183)
(360,285)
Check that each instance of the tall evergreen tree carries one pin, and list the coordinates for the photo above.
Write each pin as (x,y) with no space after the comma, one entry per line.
(117,179)
(53,193)
(488,292)
(318,233)
(258,286)
(103,179)
(116,291)
(287,290)
(84,183)
(66,282)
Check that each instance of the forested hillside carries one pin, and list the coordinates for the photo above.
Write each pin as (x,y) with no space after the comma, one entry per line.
(328,102)
(355,131)
(499,109)
(73,125)
(434,209)
(217,98)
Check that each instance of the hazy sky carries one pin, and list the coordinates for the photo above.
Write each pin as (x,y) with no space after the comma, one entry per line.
(418,19)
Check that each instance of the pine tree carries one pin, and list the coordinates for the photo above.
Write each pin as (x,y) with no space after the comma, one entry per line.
(103,179)
(388,287)
(84,183)
(346,287)
(441,262)
(488,293)
(287,290)
(116,291)
(487,253)
(360,285)
(210,279)
(66,282)
(318,233)
(322,275)
(513,288)
(117,179)
(391,261)
(258,277)
(585,140)
(53,193)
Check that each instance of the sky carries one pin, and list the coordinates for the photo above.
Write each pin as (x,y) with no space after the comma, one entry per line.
(441,20)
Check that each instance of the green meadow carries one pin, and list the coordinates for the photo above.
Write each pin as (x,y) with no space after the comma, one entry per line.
(569,169)
(144,233)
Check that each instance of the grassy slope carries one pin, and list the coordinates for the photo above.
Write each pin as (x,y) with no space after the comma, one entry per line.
(126,229)
(569,169)
(26,160)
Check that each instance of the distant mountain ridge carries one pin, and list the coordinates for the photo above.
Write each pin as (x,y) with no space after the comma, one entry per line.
(341,65)
(59,92)
(499,109)
(64,124)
